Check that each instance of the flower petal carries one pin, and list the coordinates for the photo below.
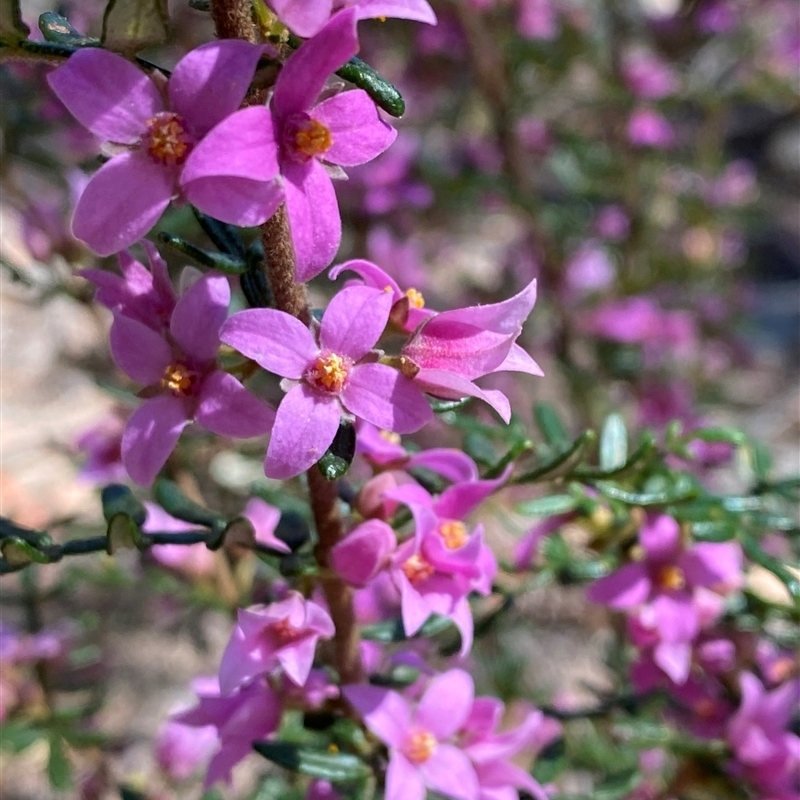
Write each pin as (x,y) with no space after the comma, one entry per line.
(384,397)
(122,202)
(314,220)
(151,435)
(358,133)
(626,587)
(210,82)
(417,10)
(237,201)
(228,409)
(107,94)
(450,772)
(446,703)
(198,317)
(303,18)
(240,146)
(277,341)
(265,518)
(309,67)
(385,712)
(449,385)
(403,780)
(138,350)
(304,428)
(354,320)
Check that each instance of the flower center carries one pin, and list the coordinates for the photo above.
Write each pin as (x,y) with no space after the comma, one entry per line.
(390,436)
(308,138)
(420,746)
(417,569)
(453,533)
(167,141)
(283,631)
(415,298)
(178,378)
(328,372)
(671,577)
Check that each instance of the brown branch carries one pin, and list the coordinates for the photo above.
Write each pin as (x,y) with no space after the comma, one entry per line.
(234,19)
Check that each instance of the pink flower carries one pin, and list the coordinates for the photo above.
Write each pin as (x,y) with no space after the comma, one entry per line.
(281,634)
(141,294)
(293,137)
(451,349)
(150,139)
(589,269)
(182,749)
(308,17)
(648,128)
(612,222)
(179,367)
(248,715)
(419,738)
(102,446)
(364,552)
(340,372)
(194,559)
(537,19)
(647,76)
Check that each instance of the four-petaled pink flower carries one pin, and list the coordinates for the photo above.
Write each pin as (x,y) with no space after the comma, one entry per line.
(148,136)
(308,17)
(419,739)
(293,137)
(340,371)
(179,369)
(281,634)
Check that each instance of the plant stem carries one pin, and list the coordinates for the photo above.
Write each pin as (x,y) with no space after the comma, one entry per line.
(234,20)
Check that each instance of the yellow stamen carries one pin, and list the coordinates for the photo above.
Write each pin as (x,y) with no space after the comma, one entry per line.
(390,436)
(167,140)
(420,747)
(177,378)
(671,577)
(312,138)
(453,533)
(417,569)
(329,372)
(415,298)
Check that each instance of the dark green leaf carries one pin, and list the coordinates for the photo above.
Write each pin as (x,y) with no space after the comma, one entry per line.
(550,424)
(118,499)
(58,29)
(392,630)
(722,530)
(221,262)
(19,553)
(59,769)
(336,767)
(442,406)
(399,677)
(226,238)
(123,534)
(337,460)
(760,461)
(130,25)
(645,449)
(683,489)
(548,506)
(12,28)
(175,502)
(558,460)
(718,434)
(613,443)
(479,448)
(16,736)
(377,87)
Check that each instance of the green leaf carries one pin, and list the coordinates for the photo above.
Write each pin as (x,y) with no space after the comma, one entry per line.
(722,530)
(613,443)
(226,238)
(123,534)
(58,29)
(12,28)
(19,553)
(59,768)
(755,553)
(119,499)
(550,424)
(442,406)
(16,736)
(548,506)
(558,460)
(336,767)
(718,434)
(683,489)
(221,262)
(401,676)
(392,630)
(479,448)
(130,25)
(175,502)
(376,86)
(339,456)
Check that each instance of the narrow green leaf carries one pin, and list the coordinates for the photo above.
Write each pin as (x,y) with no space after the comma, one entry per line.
(558,460)
(339,456)
(221,262)
(59,768)
(548,506)
(18,735)
(12,28)
(226,238)
(392,630)
(683,489)
(336,767)
(130,25)
(375,85)
(119,499)
(175,502)
(646,447)
(123,534)
(613,443)
(19,553)
(722,530)
(479,448)
(718,434)
(550,424)
(441,406)
(755,553)
(58,29)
